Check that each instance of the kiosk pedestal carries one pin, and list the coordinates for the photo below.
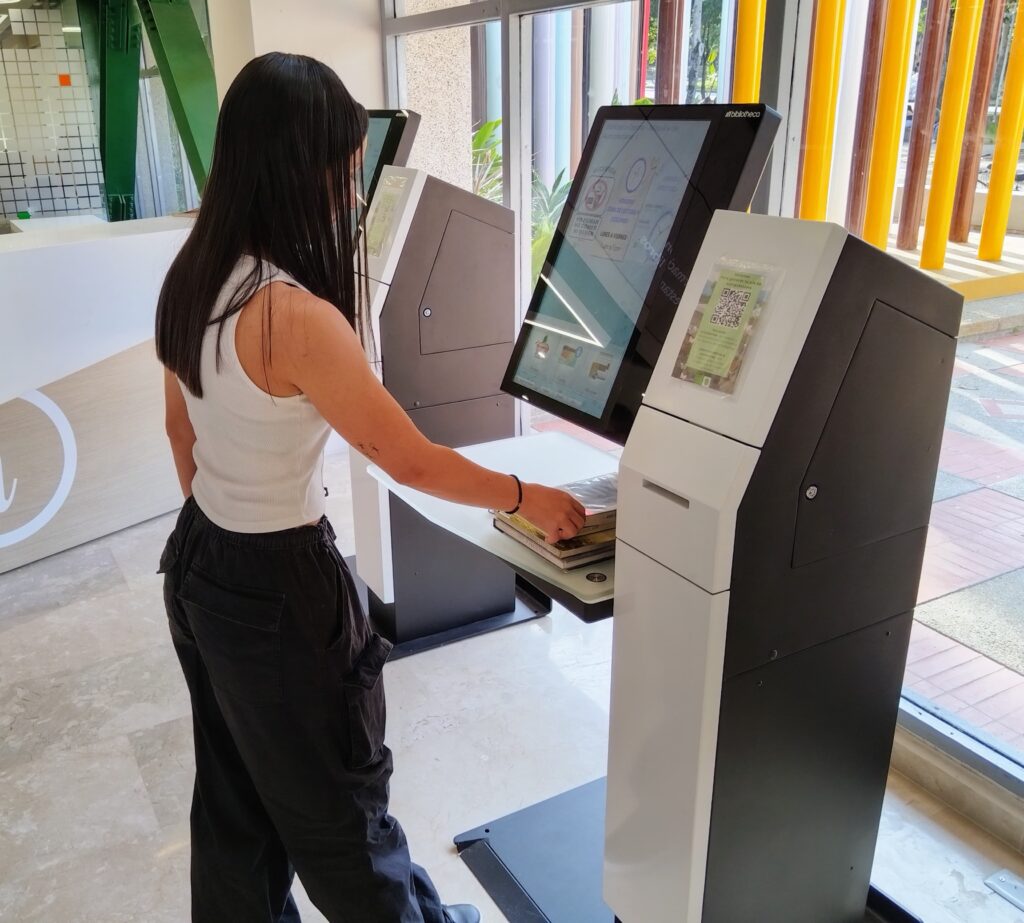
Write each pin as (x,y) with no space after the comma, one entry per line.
(441,279)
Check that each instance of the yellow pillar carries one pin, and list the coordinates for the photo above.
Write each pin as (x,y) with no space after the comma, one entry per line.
(826,58)
(889,121)
(956,90)
(746,72)
(1007,150)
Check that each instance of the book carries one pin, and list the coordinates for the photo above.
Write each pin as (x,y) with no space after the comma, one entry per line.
(599,496)
(589,555)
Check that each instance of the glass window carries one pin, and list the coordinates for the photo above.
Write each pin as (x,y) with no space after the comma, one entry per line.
(966,656)
(575,61)
(578,60)
(459,138)
(695,70)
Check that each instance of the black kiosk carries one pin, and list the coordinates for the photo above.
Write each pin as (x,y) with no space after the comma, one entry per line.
(781,397)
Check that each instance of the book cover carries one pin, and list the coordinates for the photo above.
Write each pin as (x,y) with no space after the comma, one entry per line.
(588,556)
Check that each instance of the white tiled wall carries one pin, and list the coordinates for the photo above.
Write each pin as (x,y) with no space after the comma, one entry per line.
(49,153)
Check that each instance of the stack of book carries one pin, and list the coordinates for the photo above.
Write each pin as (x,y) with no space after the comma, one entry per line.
(595,541)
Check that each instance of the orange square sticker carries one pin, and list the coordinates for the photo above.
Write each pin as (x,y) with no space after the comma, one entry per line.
(65,79)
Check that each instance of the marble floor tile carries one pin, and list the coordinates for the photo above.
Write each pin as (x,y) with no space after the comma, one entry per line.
(81,573)
(166,761)
(125,620)
(69,803)
(142,880)
(107,699)
(137,550)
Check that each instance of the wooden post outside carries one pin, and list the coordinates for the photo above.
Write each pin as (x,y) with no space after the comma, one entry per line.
(670,44)
(977,117)
(932,58)
(865,124)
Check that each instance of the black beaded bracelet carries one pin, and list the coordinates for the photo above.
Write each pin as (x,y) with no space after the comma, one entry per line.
(519,502)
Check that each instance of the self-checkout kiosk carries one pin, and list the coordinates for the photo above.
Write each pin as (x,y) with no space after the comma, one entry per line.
(781,400)
(442,301)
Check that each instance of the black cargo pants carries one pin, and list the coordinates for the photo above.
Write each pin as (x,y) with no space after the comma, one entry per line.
(288,716)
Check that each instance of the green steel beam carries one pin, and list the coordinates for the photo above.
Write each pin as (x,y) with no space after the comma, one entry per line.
(120,47)
(187,74)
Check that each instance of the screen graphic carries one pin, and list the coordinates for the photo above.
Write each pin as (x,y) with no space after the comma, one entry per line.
(590,296)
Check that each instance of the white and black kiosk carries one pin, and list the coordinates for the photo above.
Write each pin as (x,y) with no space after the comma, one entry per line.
(774,495)
(442,293)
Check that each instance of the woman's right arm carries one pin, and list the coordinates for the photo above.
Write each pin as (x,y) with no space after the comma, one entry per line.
(316,349)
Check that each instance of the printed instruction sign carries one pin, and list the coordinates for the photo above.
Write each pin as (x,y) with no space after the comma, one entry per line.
(722,328)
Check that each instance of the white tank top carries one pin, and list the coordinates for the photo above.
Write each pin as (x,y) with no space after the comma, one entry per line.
(259,459)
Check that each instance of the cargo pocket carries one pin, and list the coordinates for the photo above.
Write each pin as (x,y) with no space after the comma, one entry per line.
(169,556)
(237,631)
(364,703)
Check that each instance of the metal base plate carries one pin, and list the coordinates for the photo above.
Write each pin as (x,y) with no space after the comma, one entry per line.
(529,605)
(544,864)
(526,610)
(1008,886)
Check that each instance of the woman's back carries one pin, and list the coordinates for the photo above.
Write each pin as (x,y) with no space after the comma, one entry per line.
(259,457)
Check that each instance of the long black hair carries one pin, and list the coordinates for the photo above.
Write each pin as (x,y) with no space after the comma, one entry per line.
(285,181)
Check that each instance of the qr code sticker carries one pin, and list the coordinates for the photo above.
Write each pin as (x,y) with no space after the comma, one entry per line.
(732,302)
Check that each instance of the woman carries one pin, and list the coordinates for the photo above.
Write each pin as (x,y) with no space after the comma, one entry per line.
(258,328)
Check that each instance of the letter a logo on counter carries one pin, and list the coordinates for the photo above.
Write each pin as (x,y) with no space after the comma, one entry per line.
(6,499)
(69,450)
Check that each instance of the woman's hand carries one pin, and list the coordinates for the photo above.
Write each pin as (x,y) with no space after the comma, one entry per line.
(558,514)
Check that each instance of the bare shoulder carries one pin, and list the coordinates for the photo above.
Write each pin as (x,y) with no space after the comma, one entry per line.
(305,325)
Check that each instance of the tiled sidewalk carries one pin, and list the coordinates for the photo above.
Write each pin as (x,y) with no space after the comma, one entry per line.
(967,685)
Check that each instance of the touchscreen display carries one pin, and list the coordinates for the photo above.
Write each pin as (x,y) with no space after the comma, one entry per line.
(591,290)
(376,135)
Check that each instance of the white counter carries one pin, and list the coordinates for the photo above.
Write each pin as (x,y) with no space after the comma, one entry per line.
(82,446)
(53,222)
(73,296)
